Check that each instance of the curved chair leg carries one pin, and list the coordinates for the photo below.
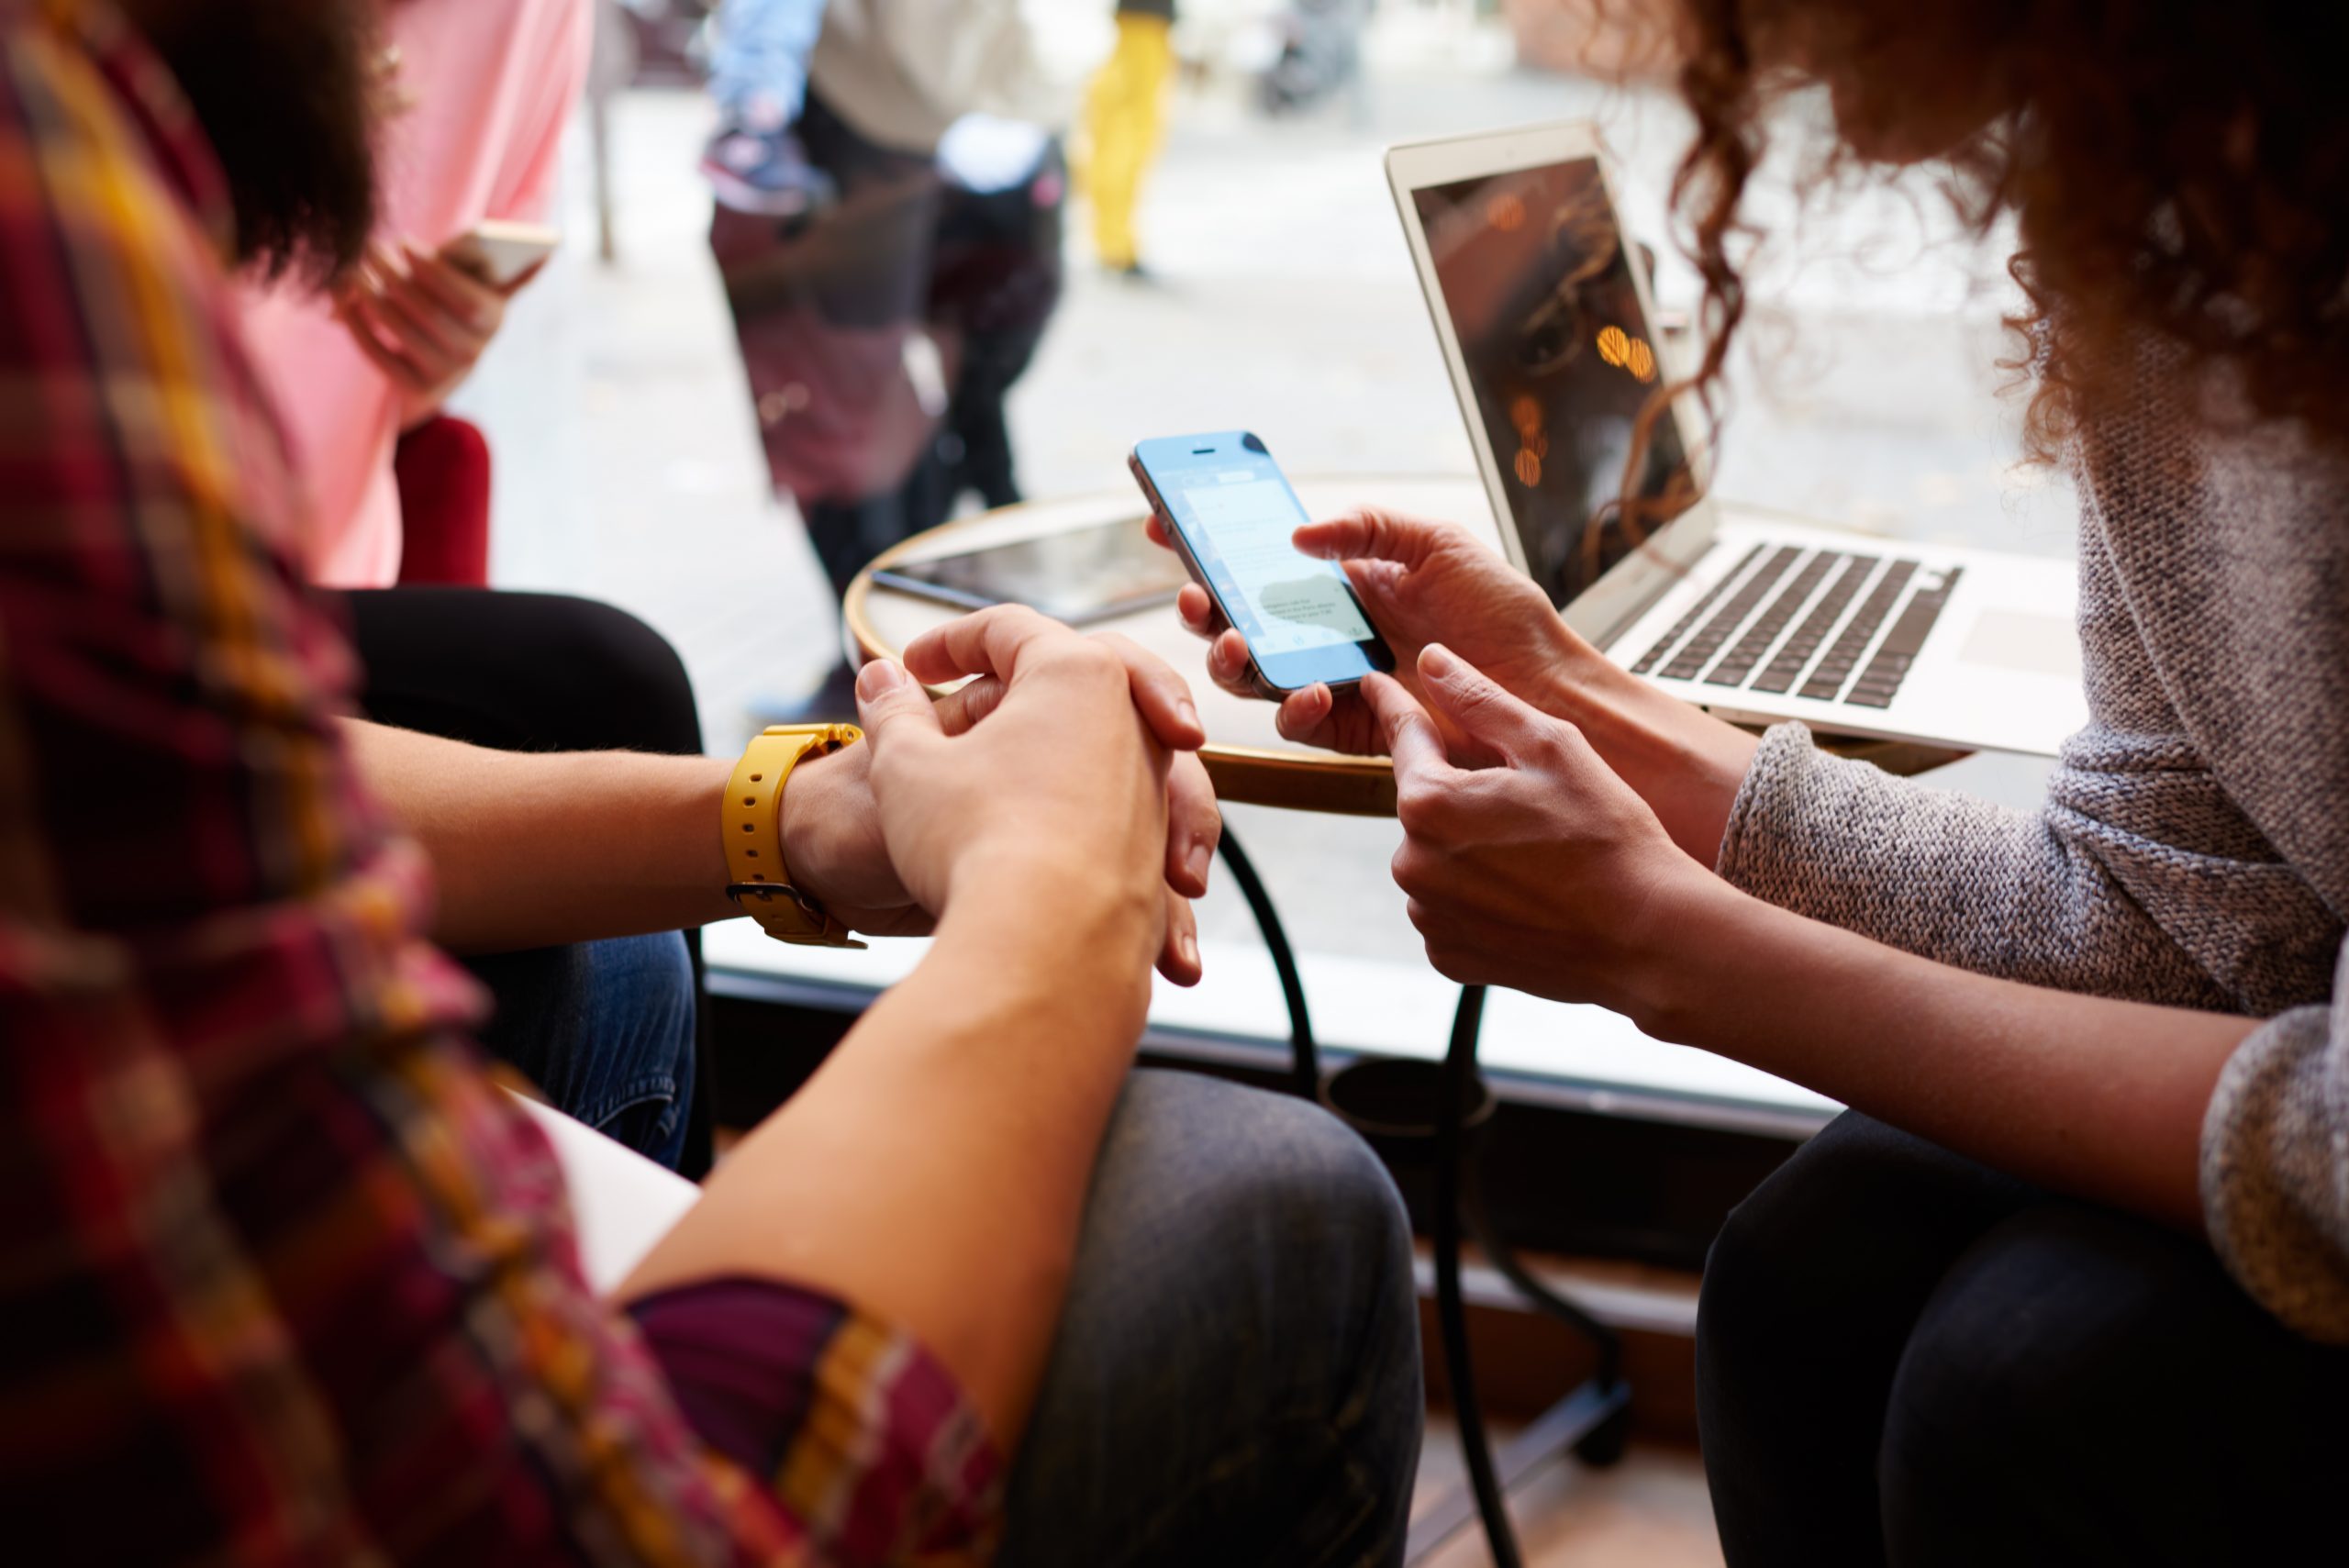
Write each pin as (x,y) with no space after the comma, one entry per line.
(1305,1059)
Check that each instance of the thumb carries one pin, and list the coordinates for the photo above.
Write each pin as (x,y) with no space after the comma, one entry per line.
(892,706)
(1477,705)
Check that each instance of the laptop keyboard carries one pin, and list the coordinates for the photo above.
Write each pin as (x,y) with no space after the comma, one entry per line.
(1827,676)
(1700,649)
(1680,627)
(1786,666)
(1723,640)
(1900,645)
(1739,662)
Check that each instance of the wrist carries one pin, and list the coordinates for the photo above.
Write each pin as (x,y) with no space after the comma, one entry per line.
(1059,925)
(1071,902)
(773,819)
(1665,995)
(824,799)
(986,877)
(701,800)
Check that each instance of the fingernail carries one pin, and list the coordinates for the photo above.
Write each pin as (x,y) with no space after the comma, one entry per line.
(1198,861)
(1189,715)
(881,675)
(1435,659)
(1190,950)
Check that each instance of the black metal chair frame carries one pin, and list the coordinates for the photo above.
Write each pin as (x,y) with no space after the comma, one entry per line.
(1453,1105)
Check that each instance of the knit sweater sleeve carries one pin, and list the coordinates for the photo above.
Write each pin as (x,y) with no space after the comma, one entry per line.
(2276,1166)
(2070,896)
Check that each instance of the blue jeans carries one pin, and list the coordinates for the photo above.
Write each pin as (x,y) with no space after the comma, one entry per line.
(761,59)
(1236,1374)
(604,1030)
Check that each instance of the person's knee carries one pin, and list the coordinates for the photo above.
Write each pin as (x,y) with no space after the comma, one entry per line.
(1313,1236)
(1302,1166)
(1248,1242)
(1847,1223)
(1817,1274)
(1263,1218)
(629,673)
(2043,1363)
(1270,1176)
(1751,1273)
(1758,1268)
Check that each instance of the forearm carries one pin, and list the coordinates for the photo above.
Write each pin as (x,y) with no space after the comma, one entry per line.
(934,1170)
(535,849)
(2102,1099)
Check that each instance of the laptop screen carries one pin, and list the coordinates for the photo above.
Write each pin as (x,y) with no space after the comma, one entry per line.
(1537,281)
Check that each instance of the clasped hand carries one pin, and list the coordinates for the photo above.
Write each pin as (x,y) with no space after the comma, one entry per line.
(1063,777)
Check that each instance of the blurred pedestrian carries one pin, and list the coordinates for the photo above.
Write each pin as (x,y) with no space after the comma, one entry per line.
(881,334)
(758,74)
(1125,119)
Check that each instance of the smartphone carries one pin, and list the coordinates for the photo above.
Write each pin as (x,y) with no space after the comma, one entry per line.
(1230,512)
(499,253)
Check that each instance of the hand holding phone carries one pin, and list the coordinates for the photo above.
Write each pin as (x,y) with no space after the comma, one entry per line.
(1231,514)
(503,255)
(423,319)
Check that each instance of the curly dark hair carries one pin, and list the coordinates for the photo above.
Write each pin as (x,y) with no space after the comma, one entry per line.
(287,93)
(2177,172)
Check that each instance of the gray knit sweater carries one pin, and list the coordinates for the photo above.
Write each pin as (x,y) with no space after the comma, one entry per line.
(2194,845)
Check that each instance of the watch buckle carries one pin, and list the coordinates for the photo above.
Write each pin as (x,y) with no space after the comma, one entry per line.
(818,920)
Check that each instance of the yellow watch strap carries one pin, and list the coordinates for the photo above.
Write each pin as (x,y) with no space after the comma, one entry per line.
(751,822)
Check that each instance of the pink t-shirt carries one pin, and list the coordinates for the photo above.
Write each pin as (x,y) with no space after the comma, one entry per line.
(490,85)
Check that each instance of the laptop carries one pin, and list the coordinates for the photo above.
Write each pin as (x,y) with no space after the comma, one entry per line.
(1548,331)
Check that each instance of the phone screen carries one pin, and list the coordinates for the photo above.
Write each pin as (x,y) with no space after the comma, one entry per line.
(1236,513)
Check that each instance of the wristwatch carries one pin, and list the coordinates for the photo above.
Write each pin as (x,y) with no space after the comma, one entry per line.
(752,824)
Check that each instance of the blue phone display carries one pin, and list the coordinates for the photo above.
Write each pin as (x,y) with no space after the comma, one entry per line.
(1233,513)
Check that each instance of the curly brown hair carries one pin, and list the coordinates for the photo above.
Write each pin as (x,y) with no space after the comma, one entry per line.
(2177,172)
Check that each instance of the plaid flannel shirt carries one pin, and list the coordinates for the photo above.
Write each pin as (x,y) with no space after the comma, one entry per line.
(283,1278)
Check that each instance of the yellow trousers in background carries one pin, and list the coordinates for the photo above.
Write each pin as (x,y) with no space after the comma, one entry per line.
(1125,117)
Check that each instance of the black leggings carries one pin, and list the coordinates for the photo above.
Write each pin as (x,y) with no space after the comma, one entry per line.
(534,672)
(521,672)
(1906,1358)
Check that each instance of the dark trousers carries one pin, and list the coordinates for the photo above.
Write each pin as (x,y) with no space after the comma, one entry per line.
(1904,1357)
(609,1030)
(521,672)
